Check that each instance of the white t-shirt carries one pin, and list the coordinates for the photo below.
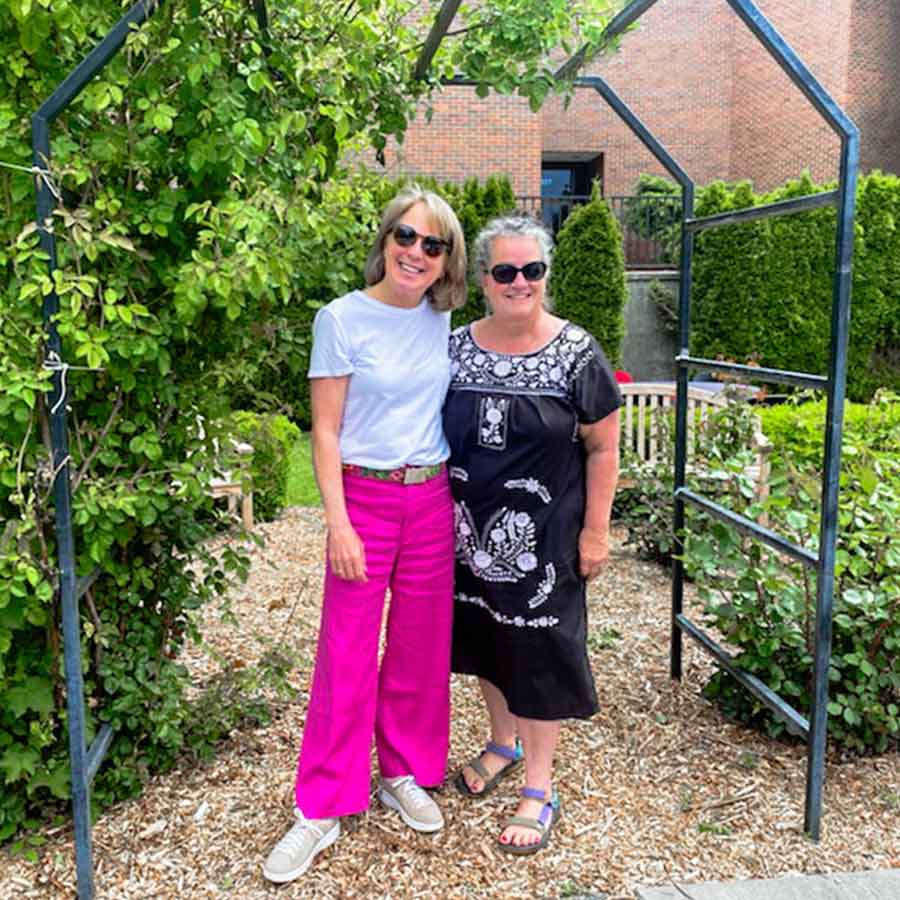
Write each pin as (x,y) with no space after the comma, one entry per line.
(399,372)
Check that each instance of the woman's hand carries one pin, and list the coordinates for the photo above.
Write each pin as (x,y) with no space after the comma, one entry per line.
(346,554)
(593,551)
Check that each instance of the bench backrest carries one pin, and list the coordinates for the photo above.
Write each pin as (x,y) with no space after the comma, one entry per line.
(644,401)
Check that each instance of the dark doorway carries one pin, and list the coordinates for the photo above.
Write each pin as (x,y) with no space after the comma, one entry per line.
(566,182)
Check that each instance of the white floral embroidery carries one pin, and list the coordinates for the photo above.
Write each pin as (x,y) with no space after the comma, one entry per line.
(505,550)
(458,473)
(551,369)
(516,621)
(492,422)
(532,485)
(545,588)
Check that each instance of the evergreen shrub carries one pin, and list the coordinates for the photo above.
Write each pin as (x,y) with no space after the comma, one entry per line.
(587,281)
(763,290)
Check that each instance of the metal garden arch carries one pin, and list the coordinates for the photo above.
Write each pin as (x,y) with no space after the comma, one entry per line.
(814,729)
(85,762)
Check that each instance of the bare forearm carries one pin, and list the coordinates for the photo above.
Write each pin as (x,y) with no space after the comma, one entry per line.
(601,474)
(326,452)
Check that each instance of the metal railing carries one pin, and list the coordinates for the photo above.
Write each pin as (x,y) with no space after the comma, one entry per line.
(650,224)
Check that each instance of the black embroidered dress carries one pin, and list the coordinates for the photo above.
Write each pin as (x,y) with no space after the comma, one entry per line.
(517,471)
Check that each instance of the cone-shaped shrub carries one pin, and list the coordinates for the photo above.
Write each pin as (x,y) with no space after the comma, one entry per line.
(587,282)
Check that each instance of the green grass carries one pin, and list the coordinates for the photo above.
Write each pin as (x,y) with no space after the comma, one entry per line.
(301,483)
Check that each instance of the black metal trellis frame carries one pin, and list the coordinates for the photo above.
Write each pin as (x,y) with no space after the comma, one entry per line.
(814,730)
(86,761)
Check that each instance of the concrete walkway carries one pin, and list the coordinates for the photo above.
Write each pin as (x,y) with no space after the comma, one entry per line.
(880,885)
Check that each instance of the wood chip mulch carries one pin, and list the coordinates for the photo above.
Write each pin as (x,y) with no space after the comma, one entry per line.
(657,787)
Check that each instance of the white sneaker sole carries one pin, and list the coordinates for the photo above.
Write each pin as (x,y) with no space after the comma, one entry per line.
(324,842)
(391,803)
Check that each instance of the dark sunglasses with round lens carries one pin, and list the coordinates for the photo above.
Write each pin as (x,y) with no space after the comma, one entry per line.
(505,273)
(406,236)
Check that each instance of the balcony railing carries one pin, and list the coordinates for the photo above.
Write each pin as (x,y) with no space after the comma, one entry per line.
(649,223)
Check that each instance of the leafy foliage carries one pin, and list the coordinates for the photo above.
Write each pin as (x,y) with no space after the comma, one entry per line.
(273,438)
(203,211)
(587,281)
(765,605)
(654,211)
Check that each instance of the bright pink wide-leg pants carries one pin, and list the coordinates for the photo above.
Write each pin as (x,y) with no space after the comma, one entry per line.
(407,532)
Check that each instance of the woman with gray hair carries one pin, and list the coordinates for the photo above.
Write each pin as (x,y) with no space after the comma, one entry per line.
(379,372)
(532,421)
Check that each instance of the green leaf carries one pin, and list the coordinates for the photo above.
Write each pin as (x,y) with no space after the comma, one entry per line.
(36,693)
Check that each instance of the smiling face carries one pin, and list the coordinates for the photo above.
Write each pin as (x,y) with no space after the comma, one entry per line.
(521,300)
(408,271)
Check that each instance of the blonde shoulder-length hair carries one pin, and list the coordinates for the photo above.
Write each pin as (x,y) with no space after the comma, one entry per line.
(449,291)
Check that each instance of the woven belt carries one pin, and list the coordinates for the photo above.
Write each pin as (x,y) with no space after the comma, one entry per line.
(403,475)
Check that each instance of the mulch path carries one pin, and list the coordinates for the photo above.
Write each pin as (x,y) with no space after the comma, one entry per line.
(657,787)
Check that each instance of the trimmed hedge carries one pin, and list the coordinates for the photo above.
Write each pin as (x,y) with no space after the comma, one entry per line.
(763,290)
(587,281)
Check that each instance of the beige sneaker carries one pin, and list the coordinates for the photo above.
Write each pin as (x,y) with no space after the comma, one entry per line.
(294,853)
(416,808)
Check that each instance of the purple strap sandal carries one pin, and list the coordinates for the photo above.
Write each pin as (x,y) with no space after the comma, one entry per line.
(513,754)
(543,824)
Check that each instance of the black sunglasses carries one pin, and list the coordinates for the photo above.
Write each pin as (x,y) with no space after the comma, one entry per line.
(505,273)
(406,236)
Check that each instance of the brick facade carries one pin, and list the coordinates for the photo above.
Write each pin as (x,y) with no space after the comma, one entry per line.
(873,95)
(705,87)
(471,136)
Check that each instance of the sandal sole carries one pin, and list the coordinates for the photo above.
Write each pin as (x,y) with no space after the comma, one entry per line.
(528,849)
(459,781)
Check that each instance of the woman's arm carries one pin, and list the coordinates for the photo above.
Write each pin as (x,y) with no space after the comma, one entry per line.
(345,550)
(601,444)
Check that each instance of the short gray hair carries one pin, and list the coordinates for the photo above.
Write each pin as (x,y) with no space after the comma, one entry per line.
(513,226)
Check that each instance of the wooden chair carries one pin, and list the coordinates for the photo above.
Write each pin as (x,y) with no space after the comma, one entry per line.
(231,484)
(644,401)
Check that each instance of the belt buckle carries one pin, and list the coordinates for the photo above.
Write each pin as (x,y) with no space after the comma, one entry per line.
(415,474)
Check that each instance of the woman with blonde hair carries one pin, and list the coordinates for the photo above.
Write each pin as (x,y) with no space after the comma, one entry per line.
(379,372)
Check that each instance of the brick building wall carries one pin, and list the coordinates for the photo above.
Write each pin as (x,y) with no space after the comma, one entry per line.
(776,131)
(873,96)
(674,73)
(471,136)
(705,87)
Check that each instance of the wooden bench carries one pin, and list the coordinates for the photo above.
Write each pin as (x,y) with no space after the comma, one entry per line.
(644,401)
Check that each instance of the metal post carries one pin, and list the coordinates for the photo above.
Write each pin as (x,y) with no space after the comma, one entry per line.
(81,804)
(83,765)
(837,382)
(684,327)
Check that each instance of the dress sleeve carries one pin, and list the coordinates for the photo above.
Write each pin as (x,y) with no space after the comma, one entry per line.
(593,390)
(331,354)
